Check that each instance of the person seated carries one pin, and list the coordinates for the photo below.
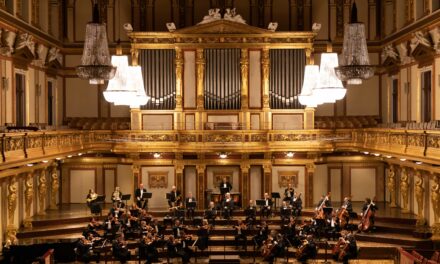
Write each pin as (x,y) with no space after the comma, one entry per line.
(225,186)
(333,227)
(84,250)
(203,235)
(211,214)
(323,203)
(266,209)
(346,248)
(183,247)
(240,235)
(228,206)
(285,212)
(369,205)
(131,225)
(171,247)
(296,204)
(92,228)
(120,249)
(148,249)
(288,193)
(189,206)
(262,233)
(116,211)
(290,231)
(251,213)
(178,229)
(344,212)
(307,250)
(174,198)
(116,197)
(157,228)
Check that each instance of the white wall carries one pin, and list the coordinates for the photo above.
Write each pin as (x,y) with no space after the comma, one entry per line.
(124,179)
(320,182)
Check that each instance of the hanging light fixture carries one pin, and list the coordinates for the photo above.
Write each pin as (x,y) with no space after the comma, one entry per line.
(329,88)
(355,63)
(135,95)
(311,77)
(95,62)
(117,86)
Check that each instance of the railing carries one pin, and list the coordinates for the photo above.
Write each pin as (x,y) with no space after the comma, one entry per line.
(38,145)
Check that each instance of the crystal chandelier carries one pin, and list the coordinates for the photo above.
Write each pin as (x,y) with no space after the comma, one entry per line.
(329,88)
(355,63)
(307,96)
(136,96)
(95,62)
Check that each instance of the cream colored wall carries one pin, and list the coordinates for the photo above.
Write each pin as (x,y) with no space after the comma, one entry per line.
(320,15)
(255,180)
(80,183)
(109,179)
(363,183)
(287,121)
(81,99)
(336,184)
(190,179)
(357,102)
(436,88)
(320,184)
(157,122)
(386,93)
(300,188)
(210,170)
(404,94)
(415,94)
(254,79)
(124,179)
(158,200)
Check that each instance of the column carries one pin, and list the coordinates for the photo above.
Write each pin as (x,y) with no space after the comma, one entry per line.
(12,226)
(42,192)
(54,187)
(28,198)
(179,177)
(200,68)
(245,194)
(419,190)
(391,185)
(201,168)
(310,171)
(267,177)
(136,178)
(265,68)
(404,189)
(244,62)
(179,85)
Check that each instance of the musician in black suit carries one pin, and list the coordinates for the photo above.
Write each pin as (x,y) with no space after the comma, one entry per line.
(285,212)
(178,229)
(139,193)
(175,198)
(296,204)
(190,208)
(84,250)
(211,213)
(225,184)
(120,249)
(288,193)
(266,210)
(228,206)
(373,207)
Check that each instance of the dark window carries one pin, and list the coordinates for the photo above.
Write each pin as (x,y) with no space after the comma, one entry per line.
(20,96)
(395,100)
(426,96)
(50,104)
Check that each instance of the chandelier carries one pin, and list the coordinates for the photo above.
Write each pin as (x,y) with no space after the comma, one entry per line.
(307,97)
(95,62)
(135,95)
(355,63)
(329,88)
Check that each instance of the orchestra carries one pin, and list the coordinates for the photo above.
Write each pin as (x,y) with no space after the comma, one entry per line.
(136,223)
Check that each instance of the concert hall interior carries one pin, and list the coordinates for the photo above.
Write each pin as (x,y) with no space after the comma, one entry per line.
(250,131)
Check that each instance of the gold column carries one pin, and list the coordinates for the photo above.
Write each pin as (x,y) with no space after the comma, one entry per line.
(391,185)
(265,68)
(245,167)
(136,178)
(12,201)
(201,185)
(310,171)
(179,84)
(267,176)
(42,191)
(179,167)
(419,190)
(54,187)
(28,198)
(404,189)
(200,66)
(244,62)
(435,202)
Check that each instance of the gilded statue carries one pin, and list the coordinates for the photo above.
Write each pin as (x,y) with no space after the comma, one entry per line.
(55,185)
(12,199)
(29,193)
(404,188)
(420,193)
(42,190)
(435,198)
(391,185)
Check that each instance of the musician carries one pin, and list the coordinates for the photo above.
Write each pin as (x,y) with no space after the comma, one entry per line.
(347,204)
(343,213)
(240,234)
(157,228)
(290,231)
(183,249)
(333,226)
(228,206)
(131,224)
(373,209)
(225,186)
(94,206)
(120,249)
(296,204)
(288,193)
(190,208)
(285,212)
(174,197)
(148,249)
(178,229)
(116,197)
(262,233)
(307,250)
(251,213)
(92,228)
(346,248)
(211,213)
(203,235)
(116,211)
(266,210)
(138,194)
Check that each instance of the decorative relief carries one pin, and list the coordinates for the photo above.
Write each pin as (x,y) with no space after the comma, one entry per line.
(404,189)
(288,177)
(25,45)
(12,199)
(188,138)
(420,194)
(55,185)
(158,179)
(217,177)
(42,191)
(397,139)
(34,142)
(223,138)
(258,138)
(29,193)
(14,143)
(391,185)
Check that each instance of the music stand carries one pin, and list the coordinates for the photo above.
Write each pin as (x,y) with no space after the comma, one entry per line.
(145,197)
(197,221)
(261,203)
(96,205)
(125,197)
(223,191)
(191,204)
(275,195)
(168,196)
(328,210)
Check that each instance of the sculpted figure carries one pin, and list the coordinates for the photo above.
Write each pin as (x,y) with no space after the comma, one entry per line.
(391,185)
(42,190)
(389,51)
(54,54)
(25,40)
(404,188)
(403,52)
(213,14)
(12,199)
(435,198)
(8,40)
(420,193)
(29,193)
(55,185)
(42,52)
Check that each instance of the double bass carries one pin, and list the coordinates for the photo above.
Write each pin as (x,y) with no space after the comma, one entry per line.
(366,218)
(268,245)
(320,210)
(340,249)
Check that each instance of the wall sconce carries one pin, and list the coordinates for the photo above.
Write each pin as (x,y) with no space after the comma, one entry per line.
(156,155)
(223,155)
(38,89)
(5,83)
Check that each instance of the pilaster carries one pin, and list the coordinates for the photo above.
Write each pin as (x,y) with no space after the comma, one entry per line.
(201,170)
(28,198)
(42,192)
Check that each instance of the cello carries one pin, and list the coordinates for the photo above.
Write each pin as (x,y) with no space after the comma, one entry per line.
(365,223)
(320,210)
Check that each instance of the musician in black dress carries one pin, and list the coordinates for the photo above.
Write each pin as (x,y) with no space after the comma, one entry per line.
(371,206)
(189,206)
(296,204)
(288,193)
(94,206)
(175,197)
(266,210)
(228,206)
(211,213)
(138,194)
(225,184)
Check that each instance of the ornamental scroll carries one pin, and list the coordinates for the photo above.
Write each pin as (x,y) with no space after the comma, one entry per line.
(219,175)
(158,179)
(288,177)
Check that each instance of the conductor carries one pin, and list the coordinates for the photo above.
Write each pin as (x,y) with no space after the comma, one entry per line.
(139,193)
(225,186)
